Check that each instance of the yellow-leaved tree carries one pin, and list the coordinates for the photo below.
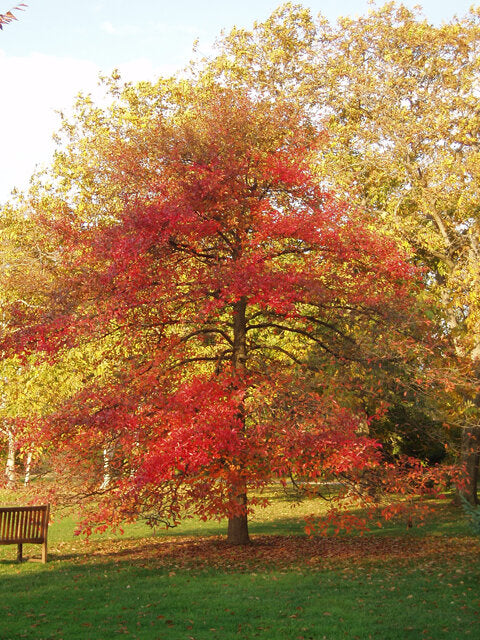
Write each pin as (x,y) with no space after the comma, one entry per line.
(399,99)
(31,388)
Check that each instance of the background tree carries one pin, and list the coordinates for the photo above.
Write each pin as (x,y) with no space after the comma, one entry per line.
(30,388)
(22,274)
(398,98)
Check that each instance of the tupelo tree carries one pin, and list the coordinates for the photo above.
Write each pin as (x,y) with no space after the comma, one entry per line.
(235,302)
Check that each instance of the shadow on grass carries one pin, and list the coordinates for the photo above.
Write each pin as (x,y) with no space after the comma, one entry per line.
(198,588)
(267,551)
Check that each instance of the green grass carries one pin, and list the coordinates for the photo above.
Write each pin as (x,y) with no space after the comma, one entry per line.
(187,584)
(100,601)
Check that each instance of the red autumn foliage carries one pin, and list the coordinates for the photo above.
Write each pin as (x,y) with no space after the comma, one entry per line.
(238,305)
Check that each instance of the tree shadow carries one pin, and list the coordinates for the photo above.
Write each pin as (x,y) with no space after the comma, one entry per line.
(150,587)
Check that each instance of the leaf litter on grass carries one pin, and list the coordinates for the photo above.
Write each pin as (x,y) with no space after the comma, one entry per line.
(280,552)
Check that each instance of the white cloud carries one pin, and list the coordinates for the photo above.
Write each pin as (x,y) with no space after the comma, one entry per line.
(154,28)
(34,88)
(144,69)
(121,30)
(187,29)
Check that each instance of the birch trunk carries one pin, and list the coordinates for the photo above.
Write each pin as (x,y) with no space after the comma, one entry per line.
(28,468)
(107,458)
(10,470)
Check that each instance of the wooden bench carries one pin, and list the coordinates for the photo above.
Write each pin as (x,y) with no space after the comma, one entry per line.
(25,525)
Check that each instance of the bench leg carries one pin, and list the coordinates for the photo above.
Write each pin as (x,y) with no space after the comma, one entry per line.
(20,552)
(44,552)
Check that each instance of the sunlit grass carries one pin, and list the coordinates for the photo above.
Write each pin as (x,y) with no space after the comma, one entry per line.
(100,601)
(185,583)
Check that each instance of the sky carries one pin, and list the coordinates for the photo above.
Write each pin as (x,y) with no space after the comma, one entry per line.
(60,47)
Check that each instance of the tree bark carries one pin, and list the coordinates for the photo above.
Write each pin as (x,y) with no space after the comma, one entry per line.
(107,457)
(470,443)
(238,524)
(470,449)
(28,468)
(470,458)
(10,470)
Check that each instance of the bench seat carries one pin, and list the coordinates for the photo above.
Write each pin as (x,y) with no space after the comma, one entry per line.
(25,525)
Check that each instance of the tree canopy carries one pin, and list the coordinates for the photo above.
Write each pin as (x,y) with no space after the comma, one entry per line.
(235,266)
(236,300)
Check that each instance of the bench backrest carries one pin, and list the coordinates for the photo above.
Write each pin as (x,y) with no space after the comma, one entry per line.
(24,524)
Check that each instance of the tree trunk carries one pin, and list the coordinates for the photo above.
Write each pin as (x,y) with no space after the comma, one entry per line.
(107,457)
(10,470)
(470,444)
(238,524)
(28,468)
(470,458)
(470,447)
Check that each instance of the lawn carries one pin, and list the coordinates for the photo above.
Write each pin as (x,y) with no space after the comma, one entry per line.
(188,584)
